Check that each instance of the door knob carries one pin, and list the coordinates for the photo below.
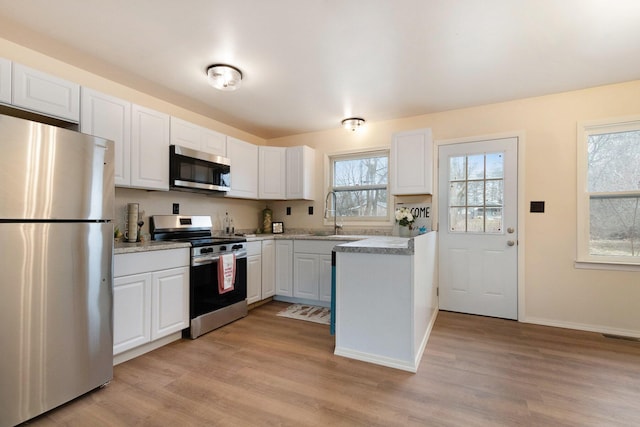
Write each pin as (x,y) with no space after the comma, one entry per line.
(511,243)
(510,230)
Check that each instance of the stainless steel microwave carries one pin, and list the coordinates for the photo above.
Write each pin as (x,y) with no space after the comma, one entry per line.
(192,170)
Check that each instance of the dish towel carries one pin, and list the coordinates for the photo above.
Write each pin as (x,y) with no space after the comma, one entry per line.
(226,272)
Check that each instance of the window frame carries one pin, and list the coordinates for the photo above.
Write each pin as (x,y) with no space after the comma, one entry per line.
(357,154)
(584,130)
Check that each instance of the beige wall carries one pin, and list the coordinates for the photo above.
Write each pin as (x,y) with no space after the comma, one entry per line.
(555,292)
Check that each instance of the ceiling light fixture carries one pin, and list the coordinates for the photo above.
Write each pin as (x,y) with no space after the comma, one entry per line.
(352,123)
(224,77)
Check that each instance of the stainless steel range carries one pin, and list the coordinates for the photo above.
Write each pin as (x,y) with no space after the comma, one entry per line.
(208,308)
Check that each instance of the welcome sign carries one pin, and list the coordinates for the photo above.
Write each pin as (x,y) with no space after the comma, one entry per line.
(422,214)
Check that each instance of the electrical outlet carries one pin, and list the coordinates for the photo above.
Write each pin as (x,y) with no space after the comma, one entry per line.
(176,208)
(310,210)
(288,210)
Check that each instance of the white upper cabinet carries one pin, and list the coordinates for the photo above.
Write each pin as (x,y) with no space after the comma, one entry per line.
(272,173)
(412,162)
(5,81)
(268,268)
(149,148)
(109,117)
(43,93)
(244,168)
(141,137)
(300,172)
(197,137)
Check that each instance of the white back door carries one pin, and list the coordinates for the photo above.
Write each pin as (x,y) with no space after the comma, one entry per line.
(478,239)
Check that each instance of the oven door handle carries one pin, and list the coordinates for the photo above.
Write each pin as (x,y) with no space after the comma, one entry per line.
(211,260)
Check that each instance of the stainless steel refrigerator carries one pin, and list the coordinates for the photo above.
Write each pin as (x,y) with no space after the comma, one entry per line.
(56,243)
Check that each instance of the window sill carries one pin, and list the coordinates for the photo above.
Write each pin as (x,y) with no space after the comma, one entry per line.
(600,265)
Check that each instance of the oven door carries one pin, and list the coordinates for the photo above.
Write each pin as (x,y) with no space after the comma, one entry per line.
(205,297)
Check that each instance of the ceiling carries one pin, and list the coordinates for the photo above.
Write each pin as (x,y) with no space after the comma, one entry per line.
(308,64)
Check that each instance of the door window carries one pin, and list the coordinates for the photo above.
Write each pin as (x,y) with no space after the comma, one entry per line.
(476,193)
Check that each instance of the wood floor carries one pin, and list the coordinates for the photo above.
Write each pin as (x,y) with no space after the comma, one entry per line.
(272,371)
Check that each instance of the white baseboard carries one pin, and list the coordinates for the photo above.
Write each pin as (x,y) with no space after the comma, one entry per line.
(427,334)
(377,360)
(582,327)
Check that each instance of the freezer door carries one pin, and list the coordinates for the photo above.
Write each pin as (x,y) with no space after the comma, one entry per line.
(52,173)
(56,315)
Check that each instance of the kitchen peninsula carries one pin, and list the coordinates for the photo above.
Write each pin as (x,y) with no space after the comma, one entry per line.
(386,299)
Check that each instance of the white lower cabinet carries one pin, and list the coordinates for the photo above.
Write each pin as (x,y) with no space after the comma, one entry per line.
(312,269)
(150,297)
(284,267)
(260,270)
(268,268)
(254,272)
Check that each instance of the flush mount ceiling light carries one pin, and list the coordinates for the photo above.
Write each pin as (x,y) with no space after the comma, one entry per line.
(224,77)
(352,123)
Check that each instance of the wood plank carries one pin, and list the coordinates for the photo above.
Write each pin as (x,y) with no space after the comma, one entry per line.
(269,370)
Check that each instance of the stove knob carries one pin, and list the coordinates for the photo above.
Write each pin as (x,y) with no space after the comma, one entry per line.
(234,247)
(222,248)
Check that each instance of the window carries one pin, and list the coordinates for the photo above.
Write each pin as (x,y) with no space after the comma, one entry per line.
(476,190)
(360,182)
(609,192)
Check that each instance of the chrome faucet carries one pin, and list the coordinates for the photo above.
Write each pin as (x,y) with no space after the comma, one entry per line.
(334,210)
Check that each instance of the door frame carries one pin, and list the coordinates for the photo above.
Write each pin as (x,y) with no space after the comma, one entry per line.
(520,135)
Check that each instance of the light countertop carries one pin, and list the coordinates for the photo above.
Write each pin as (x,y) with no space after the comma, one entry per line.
(154,245)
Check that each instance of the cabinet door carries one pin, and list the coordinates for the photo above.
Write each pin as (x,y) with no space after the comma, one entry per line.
(214,142)
(44,93)
(149,149)
(272,172)
(244,169)
(186,134)
(324,277)
(305,276)
(268,268)
(5,81)
(131,311)
(412,162)
(254,278)
(109,117)
(300,173)
(284,267)
(170,301)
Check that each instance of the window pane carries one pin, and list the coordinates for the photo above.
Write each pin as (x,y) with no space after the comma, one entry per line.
(370,203)
(475,220)
(495,165)
(365,171)
(615,226)
(456,168)
(493,220)
(457,194)
(613,162)
(495,192)
(475,193)
(475,167)
(457,219)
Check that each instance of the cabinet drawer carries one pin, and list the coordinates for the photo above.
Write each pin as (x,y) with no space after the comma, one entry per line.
(314,246)
(142,262)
